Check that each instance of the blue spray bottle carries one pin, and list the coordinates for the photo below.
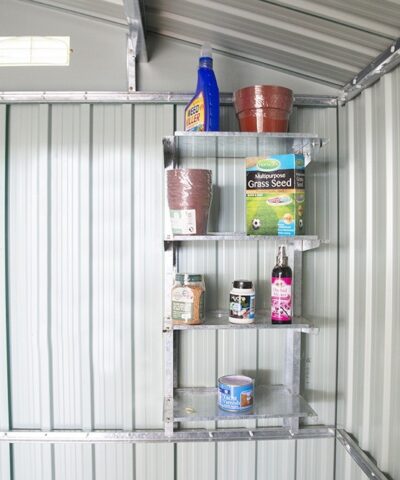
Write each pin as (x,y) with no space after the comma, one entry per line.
(202,112)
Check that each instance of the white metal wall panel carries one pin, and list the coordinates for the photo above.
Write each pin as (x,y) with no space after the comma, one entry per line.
(85,185)
(70,269)
(369,381)
(112,266)
(111,287)
(70,284)
(28,273)
(151,123)
(155,461)
(315,459)
(74,462)
(28,279)
(4,370)
(276,460)
(33,462)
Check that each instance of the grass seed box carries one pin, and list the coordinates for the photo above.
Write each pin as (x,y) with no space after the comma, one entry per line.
(275,195)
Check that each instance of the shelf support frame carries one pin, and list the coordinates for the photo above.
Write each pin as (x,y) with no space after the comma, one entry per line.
(292,373)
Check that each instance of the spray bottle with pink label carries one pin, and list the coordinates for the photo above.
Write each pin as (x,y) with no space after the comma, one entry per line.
(281,289)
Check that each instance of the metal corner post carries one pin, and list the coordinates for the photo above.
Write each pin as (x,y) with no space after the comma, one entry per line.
(292,373)
(293,338)
(168,336)
(170,264)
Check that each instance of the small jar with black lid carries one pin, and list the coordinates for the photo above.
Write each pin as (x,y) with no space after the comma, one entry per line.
(242,302)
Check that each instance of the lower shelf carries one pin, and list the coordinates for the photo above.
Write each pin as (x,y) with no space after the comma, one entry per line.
(275,401)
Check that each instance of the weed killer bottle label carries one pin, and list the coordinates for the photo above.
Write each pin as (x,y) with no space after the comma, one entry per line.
(281,289)
(202,112)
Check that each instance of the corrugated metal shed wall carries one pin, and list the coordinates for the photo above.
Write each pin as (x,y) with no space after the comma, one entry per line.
(84,289)
(369,377)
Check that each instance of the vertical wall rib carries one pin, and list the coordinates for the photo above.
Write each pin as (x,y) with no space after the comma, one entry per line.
(5,466)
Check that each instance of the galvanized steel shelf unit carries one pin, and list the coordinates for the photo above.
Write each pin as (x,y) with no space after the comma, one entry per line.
(200,404)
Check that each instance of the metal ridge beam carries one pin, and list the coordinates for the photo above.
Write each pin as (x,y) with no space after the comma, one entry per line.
(365,462)
(158,436)
(382,64)
(141,97)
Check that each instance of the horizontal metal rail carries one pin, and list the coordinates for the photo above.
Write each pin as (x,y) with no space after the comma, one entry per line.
(141,97)
(365,462)
(158,436)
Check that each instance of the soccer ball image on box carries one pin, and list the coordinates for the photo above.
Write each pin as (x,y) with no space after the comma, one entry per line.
(256,223)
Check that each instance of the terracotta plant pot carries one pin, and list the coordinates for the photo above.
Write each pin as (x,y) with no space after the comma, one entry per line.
(190,190)
(263,108)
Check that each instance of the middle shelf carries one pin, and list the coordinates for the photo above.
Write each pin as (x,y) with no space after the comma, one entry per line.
(216,320)
(300,242)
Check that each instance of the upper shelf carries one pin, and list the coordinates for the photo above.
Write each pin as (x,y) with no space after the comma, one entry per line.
(211,145)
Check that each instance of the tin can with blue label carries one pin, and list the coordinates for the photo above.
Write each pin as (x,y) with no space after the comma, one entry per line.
(235,393)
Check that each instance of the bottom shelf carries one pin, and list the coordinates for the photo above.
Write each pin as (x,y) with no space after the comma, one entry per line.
(275,401)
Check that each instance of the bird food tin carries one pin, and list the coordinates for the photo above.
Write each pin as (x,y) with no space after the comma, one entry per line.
(235,393)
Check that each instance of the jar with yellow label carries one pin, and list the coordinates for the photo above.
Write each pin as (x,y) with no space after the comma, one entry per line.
(188,299)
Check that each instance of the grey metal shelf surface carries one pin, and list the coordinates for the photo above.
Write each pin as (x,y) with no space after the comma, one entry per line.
(267,135)
(276,401)
(216,320)
(303,242)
